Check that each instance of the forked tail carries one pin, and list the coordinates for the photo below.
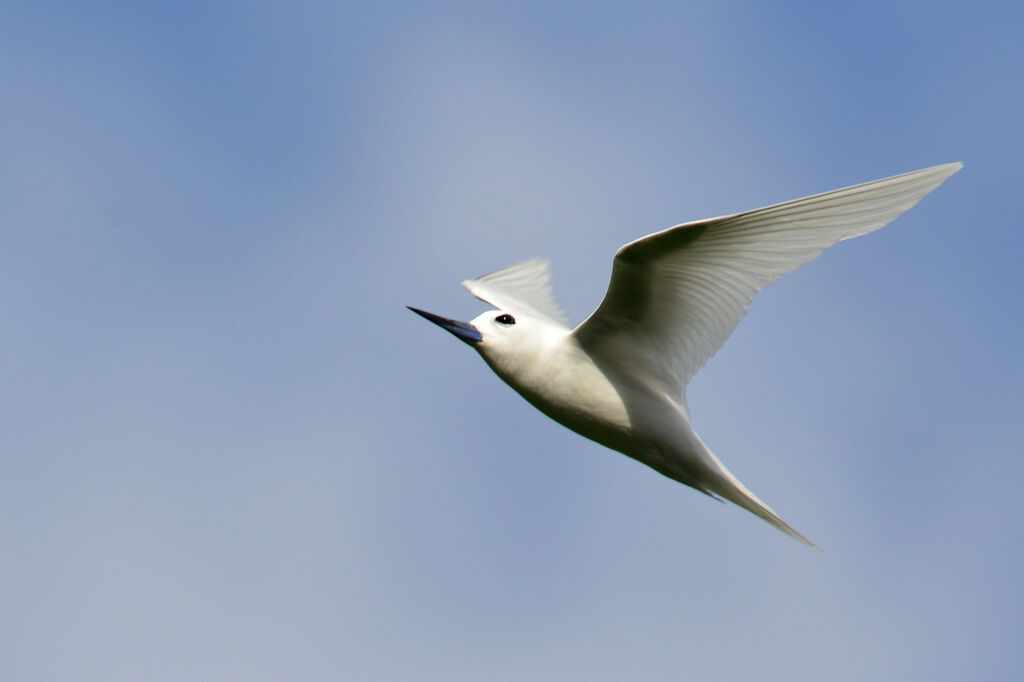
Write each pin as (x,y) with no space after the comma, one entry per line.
(717,480)
(729,487)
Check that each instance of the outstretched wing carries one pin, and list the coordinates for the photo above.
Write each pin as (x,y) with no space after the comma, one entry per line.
(676,295)
(520,288)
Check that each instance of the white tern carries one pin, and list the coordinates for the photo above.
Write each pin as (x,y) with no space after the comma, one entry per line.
(620,377)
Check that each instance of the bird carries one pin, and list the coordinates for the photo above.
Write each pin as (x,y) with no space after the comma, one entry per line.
(620,377)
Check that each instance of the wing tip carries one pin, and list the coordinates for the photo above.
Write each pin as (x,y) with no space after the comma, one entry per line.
(536,261)
(945,170)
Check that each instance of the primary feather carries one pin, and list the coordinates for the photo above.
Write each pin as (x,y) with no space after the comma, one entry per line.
(675,296)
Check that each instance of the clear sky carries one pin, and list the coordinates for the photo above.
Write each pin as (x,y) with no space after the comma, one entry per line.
(228,452)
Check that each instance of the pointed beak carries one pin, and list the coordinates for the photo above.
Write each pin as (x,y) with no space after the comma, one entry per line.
(463,330)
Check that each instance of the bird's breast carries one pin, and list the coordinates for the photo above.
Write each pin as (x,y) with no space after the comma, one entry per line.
(565,384)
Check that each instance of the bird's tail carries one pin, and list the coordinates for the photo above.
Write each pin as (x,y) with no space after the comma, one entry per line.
(692,463)
(712,477)
(725,485)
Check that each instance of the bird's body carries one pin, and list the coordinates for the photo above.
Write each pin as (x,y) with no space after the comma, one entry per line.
(675,296)
(557,377)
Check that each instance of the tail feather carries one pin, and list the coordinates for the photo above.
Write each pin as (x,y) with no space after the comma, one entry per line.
(716,480)
(731,489)
(689,461)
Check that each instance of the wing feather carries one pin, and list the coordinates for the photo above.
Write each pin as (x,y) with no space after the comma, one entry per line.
(675,296)
(520,288)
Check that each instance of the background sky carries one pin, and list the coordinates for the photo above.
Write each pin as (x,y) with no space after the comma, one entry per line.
(228,452)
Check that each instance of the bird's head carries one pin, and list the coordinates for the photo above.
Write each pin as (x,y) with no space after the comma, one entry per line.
(506,341)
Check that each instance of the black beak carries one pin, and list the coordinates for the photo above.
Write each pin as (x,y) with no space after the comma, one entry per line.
(463,330)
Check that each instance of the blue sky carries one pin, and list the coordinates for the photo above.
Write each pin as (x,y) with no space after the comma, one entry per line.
(229,452)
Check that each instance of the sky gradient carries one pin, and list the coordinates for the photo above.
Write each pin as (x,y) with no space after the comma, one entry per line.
(227,450)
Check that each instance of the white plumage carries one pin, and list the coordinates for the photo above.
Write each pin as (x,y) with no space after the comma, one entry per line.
(675,296)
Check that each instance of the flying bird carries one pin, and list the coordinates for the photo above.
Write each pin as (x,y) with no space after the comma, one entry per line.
(620,377)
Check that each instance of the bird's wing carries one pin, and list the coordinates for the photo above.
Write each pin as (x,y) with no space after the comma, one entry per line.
(520,288)
(676,295)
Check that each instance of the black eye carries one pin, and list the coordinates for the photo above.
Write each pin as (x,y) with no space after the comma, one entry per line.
(505,318)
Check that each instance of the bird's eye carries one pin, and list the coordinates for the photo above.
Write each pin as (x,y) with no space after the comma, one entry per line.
(505,318)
